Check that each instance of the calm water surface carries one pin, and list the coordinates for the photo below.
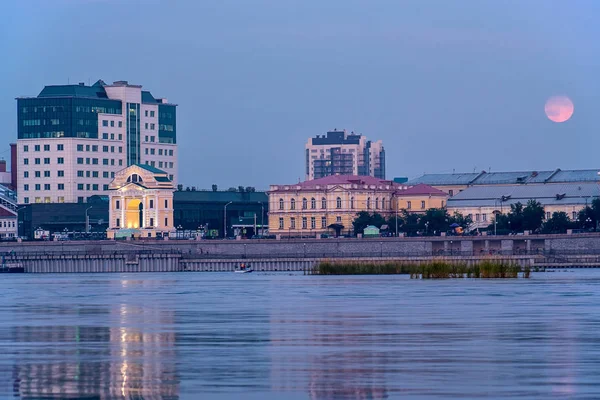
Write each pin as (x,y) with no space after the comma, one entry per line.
(279,336)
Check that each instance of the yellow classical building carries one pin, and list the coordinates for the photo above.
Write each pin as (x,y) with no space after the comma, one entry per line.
(140,203)
(330,204)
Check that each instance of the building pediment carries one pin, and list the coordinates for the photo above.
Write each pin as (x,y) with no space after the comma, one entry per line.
(143,175)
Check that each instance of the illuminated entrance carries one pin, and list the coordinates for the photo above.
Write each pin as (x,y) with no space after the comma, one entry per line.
(141,203)
(134,214)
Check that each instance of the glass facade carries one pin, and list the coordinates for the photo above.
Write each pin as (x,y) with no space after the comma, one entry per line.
(55,117)
(133,133)
(167,123)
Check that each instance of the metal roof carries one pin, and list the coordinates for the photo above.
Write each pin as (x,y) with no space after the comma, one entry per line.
(546,194)
(500,178)
(444,179)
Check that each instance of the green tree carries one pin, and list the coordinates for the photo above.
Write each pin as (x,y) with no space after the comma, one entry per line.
(533,216)
(364,219)
(435,220)
(411,223)
(558,223)
(589,217)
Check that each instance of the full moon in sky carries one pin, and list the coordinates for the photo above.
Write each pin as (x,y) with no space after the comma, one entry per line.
(559,108)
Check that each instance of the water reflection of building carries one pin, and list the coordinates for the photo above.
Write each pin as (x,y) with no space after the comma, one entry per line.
(129,357)
(328,356)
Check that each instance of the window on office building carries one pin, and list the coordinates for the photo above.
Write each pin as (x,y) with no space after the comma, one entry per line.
(47,160)
(408,205)
(60,160)
(105,136)
(46,147)
(104,122)
(304,223)
(61,186)
(60,147)
(26,174)
(26,161)
(25,148)
(36,147)
(26,187)
(80,186)
(46,174)
(38,186)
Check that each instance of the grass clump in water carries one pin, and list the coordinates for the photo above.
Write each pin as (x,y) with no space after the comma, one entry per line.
(436,269)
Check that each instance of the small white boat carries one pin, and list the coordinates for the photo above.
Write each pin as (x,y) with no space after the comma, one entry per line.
(243,268)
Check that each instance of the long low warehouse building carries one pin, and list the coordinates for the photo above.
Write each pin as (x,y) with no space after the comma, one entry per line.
(482,202)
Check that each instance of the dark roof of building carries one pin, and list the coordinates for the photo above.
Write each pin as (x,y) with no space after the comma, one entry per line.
(344,179)
(420,190)
(95,91)
(150,168)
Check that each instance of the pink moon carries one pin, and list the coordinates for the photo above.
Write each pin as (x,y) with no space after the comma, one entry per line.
(559,108)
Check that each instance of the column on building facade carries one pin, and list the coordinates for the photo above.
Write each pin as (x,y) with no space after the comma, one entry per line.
(156,210)
(122,200)
(144,212)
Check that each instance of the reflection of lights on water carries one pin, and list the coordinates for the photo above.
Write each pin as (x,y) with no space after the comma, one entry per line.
(124,355)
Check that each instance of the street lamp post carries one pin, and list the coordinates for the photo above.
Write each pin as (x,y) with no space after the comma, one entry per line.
(87,220)
(262,218)
(225,220)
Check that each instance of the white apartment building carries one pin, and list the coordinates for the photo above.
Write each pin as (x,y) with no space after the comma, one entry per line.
(72,139)
(340,153)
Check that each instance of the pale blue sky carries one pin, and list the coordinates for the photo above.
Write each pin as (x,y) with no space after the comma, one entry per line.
(445,84)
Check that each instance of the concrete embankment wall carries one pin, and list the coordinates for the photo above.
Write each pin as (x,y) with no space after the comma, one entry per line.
(293,255)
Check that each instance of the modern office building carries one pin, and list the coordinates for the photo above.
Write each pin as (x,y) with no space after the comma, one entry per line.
(340,153)
(72,139)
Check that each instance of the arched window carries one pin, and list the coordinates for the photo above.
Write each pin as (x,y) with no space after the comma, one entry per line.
(338,202)
(281,204)
(323,203)
(135,178)
(352,202)
(313,203)
(304,203)
(368,203)
(383,204)
(293,204)
(376,202)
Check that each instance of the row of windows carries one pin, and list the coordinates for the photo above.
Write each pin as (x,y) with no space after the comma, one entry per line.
(105,136)
(151,113)
(7,224)
(160,152)
(47,186)
(94,161)
(37,147)
(112,123)
(338,203)
(161,165)
(152,126)
(38,174)
(313,222)
(38,161)
(59,199)
(94,148)
(409,205)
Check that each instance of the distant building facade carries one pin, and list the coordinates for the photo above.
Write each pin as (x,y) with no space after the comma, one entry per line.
(482,203)
(140,203)
(340,153)
(222,213)
(330,204)
(72,139)
(454,183)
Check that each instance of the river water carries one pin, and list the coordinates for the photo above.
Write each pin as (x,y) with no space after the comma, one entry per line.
(282,336)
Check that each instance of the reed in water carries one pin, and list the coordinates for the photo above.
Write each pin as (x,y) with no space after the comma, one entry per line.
(436,269)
